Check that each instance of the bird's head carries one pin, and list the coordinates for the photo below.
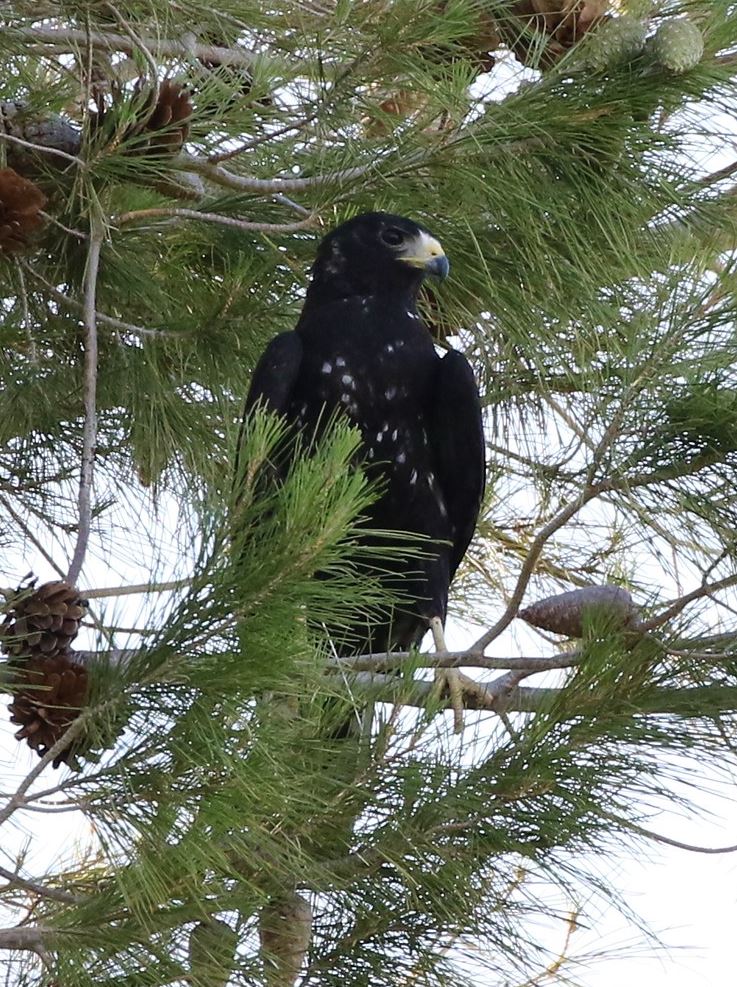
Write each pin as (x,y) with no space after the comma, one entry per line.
(376,253)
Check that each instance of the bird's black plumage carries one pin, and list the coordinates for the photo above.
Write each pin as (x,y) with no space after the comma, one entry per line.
(361,348)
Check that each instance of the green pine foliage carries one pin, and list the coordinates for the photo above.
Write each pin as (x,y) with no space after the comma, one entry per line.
(591,236)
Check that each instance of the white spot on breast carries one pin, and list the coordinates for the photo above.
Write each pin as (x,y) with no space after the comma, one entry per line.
(327,367)
(390,392)
(413,477)
(402,457)
(424,439)
(339,361)
(413,315)
(370,454)
(395,433)
(379,436)
(389,348)
(385,427)
(345,398)
(347,380)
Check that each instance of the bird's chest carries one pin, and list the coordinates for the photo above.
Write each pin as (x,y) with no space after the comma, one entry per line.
(380,375)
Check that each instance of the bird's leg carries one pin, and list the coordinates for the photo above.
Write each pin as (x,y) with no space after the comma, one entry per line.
(455,681)
(451,678)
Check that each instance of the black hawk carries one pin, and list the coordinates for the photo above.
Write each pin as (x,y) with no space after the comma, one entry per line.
(360,348)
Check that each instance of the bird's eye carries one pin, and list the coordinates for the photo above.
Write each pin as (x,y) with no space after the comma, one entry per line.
(392,236)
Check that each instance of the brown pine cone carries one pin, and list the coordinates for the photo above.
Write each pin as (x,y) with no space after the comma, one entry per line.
(566,613)
(540,32)
(169,122)
(285,930)
(21,202)
(42,623)
(48,695)
(158,129)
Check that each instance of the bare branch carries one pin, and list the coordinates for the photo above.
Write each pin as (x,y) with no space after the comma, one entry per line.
(18,799)
(680,604)
(453,659)
(24,937)
(213,217)
(70,39)
(15,880)
(89,434)
(228,179)
(103,591)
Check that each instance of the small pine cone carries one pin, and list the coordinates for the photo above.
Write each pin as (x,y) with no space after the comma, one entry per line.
(21,202)
(285,930)
(566,612)
(540,32)
(48,695)
(617,42)
(42,623)
(677,45)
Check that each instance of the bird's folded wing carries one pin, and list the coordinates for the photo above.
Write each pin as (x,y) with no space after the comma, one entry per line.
(457,437)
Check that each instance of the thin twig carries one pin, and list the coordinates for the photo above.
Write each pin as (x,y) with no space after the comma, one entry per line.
(173,585)
(32,348)
(262,139)
(89,434)
(18,799)
(666,839)
(43,149)
(107,320)
(213,217)
(680,604)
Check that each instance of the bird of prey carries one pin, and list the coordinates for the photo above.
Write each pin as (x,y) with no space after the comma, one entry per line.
(361,349)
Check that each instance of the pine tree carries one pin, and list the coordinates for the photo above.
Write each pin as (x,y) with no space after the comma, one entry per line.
(167,170)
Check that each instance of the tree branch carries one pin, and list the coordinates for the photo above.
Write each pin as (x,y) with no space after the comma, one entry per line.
(89,435)
(213,217)
(70,39)
(24,937)
(15,880)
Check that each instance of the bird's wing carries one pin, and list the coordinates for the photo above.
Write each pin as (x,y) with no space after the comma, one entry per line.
(457,436)
(272,382)
(276,373)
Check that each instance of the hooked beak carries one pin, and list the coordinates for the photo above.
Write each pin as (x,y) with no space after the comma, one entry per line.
(426,254)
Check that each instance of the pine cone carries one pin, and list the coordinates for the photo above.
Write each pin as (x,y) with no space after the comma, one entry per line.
(677,45)
(169,122)
(48,695)
(540,32)
(566,612)
(21,202)
(42,623)
(285,929)
(161,129)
